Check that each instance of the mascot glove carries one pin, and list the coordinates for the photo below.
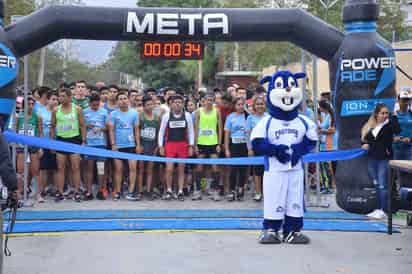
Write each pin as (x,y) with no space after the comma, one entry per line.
(280,152)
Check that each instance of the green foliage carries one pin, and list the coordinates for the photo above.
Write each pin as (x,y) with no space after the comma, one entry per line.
(392,19)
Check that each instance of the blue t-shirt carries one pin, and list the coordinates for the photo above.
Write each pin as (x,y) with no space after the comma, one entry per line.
(38,107)
(405,122)
(98,119)
(326,120)
(124,123)
(236,124)
(252,120)
(45,115)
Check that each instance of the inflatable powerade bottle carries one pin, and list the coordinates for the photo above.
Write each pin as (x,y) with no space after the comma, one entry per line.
(363,73)
(8,75)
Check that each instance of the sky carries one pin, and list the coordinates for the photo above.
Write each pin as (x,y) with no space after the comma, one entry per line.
(96,52)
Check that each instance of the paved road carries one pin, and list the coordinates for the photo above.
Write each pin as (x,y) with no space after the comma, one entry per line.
(222,252)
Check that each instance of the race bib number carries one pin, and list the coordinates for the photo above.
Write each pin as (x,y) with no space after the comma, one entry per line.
(206,132)
(148,133)
(66,128)
(29,132)
(177,124)
(94,135)
(125,125)
(238,140)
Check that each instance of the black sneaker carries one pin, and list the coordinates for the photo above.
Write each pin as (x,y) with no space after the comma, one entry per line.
(77,197)
(100,196)
(88,196)
(296,238)
(139,196)
(153,196)
(180,196)
(186,192)
(269,237)
(116,196)
(58,197)
(240,195)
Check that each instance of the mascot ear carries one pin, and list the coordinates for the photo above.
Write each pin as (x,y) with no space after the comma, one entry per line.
(299,75)
(266,79)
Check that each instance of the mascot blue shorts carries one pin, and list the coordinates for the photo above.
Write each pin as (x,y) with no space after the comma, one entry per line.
(283,138)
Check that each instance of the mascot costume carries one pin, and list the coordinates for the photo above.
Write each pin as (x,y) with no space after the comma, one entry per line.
(283,138)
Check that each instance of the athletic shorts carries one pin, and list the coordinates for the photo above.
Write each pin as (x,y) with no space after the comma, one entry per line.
(48,161)
(238,150)
(32,150)
(77,140)
(149,148)
(177,149)
(128,150)
(258,170)
(207,150)
(96,158)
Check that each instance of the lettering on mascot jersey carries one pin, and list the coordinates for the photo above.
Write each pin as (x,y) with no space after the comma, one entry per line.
(364,69)
(286,131)
(174,23)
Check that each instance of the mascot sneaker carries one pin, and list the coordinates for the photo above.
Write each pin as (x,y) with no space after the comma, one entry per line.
(269,237)
(296,238)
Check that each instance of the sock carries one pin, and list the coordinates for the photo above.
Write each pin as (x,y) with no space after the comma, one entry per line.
(272,224)
(292,224)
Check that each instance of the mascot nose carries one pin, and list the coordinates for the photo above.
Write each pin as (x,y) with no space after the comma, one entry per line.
(288,89)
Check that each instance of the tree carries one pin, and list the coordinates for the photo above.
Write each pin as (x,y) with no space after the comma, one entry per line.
(392,20)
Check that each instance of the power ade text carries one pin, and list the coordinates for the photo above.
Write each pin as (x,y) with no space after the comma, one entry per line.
(7,61)
(364,69)
(169,23)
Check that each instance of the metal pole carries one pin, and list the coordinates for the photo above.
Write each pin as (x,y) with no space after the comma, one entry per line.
(315,102)
(26,104)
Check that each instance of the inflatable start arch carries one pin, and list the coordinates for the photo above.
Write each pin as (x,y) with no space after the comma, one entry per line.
(361,63)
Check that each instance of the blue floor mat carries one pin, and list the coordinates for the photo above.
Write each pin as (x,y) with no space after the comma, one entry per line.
(190,224)
(170,214)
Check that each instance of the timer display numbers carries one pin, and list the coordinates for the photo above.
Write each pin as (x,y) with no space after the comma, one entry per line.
(172,50)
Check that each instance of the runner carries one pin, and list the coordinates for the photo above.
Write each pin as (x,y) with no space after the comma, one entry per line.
(235,146)
(95,119)
(168,93)
(208,132)
(80,94)
(34,128)
(176,140)
(67,125)
(259,108)
(149,126)
(48,162)
(124,137)
(111,103)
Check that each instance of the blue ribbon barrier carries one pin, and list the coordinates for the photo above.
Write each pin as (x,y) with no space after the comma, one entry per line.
(104,153)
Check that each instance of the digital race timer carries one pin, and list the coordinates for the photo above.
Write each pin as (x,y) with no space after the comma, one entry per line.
(172,50)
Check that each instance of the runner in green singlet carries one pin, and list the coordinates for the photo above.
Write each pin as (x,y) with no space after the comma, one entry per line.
(208,132)
(68,125)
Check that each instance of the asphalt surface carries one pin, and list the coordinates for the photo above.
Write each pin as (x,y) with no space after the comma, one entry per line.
(209,252)
(203,252)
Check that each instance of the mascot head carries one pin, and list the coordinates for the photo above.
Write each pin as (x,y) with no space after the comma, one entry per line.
(284,96)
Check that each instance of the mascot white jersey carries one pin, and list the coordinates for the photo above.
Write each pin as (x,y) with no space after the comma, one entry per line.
(283,138)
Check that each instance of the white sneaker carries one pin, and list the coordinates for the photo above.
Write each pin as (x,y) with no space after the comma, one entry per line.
(381,214)
(373,214)
(40,199)
(196,196)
